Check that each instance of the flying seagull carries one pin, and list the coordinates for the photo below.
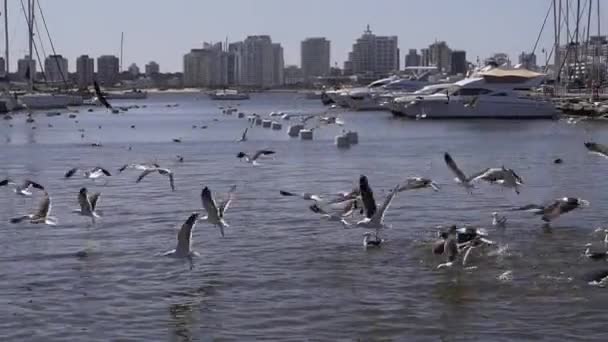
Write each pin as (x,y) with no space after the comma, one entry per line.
(216,211)
(374,215)
(184,241)
(315,208)
(503,176)
(460,176)
(87,204)
(93,173)
(305,195)
(244,135)
(140,167)
(555,209)
(23,189)
(102,99)
(413,183)
(599,149)
(253,160)
(41,216)
(162,171)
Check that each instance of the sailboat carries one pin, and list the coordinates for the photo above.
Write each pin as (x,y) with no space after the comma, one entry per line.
(39,100)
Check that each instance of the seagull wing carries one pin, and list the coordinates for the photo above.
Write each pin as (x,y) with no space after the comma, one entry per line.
(554,210)
(223,206)
(379,215)
(184,236)
(105,172)
(367,196)
(598,149)
(44,208)
(262,153)
(5,182)
(209,203)
(244,136)
(490,175)
(100,97)
(84,202)
(452,165)
(144,174)
(29,183)
(530,207)
(93,200)
(70,172)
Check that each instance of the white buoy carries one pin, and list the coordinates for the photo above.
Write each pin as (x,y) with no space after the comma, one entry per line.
(294,130)
(353,137)
(276,126)
(266,123)
(258,121)
(342,141)
(306,134)
(241,115)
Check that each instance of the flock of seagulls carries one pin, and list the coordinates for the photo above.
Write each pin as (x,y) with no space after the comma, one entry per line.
(353,209)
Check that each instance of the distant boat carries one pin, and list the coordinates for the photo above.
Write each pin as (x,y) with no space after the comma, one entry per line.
(229,94)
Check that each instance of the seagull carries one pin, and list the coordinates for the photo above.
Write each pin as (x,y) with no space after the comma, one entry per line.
(23,189)
(41,216)
(556,208)
(413,183)
(184,241)
(457,239)
(460,176)
(253,160)
(215,212)
(367,242)
(100,97)
(503,176)
(244,135)
(599,149)
(498,221)
(305,195)
(450,247)
(140,167)
(87,204)
(160,170)
(374,215)
(180,159)
(93,173)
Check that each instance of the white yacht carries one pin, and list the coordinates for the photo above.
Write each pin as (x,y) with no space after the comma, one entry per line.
(229,94)
(340,96)
(396,103)
(497,93)
(368,98)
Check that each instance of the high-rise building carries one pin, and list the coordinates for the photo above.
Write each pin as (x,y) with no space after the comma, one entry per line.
(528,60)
(107,70)
(425,57)
(458,62)
(133,69)
(206,67)
(278,64)
(440,56)
(152,68)
(257,62)
(2,67)
(56,68)
(315,57)
(85,71)
(26,68)
(234,63)
(373,54)
(412,58)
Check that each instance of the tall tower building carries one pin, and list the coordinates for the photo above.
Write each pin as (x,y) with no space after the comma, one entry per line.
(315,57)
(107,70)
(85,71)
(56,69)
(373,54)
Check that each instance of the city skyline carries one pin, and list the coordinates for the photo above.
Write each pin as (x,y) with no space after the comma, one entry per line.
(163,32)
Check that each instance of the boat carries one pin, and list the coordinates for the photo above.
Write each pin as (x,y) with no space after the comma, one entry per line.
(370,98)
(496,94)
(396,103)
(229,94)
(134,94)
(340,96)
(49,100)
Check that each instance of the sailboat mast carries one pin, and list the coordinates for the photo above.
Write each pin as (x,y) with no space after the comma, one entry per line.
(6,37)
(31,5)
(122,40)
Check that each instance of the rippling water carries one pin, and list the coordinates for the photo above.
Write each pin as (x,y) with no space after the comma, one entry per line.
(280,273)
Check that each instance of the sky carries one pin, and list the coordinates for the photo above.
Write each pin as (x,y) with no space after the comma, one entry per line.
(164,30)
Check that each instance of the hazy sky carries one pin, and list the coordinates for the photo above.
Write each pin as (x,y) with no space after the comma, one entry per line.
(165,30)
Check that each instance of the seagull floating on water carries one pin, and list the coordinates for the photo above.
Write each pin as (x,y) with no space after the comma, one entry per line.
(184,241)
(253,160)
(595,255)
(23,189)
(41,216)
(555,209)
(498,221)
(216,211)
(87,204)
